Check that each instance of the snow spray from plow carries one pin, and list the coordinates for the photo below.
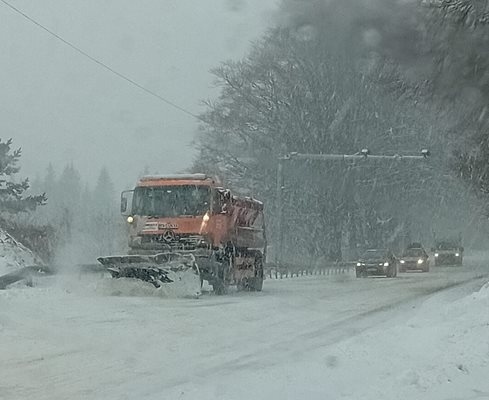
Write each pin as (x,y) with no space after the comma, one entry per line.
(180,271)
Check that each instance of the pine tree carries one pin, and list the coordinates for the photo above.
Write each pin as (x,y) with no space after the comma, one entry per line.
(12,192)
(106,222)
(50,181)
(68,191)
(104,194)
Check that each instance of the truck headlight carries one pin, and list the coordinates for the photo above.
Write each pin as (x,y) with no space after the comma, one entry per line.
(386,264)
(402,261)
(420,261)
(359,264)
(457,254)
(436,254)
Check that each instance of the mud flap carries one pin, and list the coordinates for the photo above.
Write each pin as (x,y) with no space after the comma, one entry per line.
(173,273)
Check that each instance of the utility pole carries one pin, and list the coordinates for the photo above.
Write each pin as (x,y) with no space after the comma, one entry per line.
(364,155)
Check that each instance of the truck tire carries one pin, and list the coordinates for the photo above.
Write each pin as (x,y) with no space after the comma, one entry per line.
(256,283)
(220,279)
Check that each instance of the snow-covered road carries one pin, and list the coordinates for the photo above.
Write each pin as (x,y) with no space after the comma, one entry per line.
(303,338)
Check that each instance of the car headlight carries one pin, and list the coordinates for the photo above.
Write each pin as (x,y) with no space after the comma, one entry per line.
(359,264)
(457,254)
(402,261)
(130,219)
(436,254)
(386,264)
(420,261)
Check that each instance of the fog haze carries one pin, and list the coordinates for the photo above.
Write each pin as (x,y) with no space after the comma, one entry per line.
(60,107)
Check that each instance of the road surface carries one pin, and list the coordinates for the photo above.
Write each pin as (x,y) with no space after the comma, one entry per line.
(73,337)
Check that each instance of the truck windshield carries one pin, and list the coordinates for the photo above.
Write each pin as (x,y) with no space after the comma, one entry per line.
(171,201)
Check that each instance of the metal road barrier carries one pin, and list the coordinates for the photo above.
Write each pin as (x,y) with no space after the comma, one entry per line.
(289,270)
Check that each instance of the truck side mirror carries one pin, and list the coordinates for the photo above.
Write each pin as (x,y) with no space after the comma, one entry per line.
(123,205)
(126,202)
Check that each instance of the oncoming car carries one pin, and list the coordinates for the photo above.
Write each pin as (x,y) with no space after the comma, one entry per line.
(377,262)
(414,258)
(448,252)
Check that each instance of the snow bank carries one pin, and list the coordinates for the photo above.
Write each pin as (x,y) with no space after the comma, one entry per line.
(441,351)
(14,255)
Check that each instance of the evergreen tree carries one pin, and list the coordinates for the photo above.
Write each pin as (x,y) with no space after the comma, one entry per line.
(12,192)
(50,181)
(67,205)
(104,193)
(105,221)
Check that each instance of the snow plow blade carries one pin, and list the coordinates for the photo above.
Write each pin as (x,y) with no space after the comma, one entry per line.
(174,269)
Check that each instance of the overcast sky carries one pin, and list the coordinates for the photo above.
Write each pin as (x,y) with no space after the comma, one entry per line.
(60,107)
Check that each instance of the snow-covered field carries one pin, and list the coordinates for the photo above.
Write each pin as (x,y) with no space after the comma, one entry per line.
(316,337)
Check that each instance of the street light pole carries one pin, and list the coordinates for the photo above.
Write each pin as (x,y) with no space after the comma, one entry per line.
(280,188)
(363,155)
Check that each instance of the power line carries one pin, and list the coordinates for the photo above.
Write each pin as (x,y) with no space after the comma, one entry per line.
(100,63)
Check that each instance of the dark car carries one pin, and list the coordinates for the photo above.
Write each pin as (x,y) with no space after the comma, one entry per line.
(414,257)
(377,262)
(448,252)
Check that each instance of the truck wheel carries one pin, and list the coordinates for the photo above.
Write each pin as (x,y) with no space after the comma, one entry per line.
(221,273)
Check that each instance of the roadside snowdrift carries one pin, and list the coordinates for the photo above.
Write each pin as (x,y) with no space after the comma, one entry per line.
(440,352)
(13,254)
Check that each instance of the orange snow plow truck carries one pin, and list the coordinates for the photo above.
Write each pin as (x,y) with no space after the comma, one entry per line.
(184,229)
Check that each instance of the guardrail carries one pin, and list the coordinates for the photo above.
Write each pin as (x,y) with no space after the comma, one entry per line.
(288,270)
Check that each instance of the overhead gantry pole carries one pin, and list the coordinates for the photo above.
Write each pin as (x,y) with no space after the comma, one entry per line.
(364,155)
